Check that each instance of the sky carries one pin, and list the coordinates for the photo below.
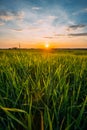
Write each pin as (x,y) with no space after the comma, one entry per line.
(34,23)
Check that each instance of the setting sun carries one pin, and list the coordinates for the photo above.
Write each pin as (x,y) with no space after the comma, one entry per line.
(46,45)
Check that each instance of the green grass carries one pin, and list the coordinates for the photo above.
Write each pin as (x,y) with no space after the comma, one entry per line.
(43,90)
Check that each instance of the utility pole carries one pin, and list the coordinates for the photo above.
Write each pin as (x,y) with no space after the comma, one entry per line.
(19,46)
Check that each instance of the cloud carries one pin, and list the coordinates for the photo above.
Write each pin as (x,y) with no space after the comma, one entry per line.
(80,11)
(78,34)
(36,8)
(75,27)
(49,37)
(71,34)
(84,10)
(6,16)
(1,23)
(32,28)
(52,17)
(47,20)
(59,35)
(10,15)
(18,30)
(55,36)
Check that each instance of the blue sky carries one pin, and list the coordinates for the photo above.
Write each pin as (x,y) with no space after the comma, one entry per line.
(34,23)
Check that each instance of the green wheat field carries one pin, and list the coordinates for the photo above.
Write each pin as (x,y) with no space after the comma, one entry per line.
(43,89)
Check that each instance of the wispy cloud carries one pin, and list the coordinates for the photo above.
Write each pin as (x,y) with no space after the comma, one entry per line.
(59,35)
(8,16)
(78,34)
(47,19)
(48,37)
(18,30)
(36,8)
(32,28)
(71,34)
(80,11)
(1,23)
(75,27)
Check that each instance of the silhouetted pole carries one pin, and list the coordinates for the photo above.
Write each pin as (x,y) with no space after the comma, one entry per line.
(19,46)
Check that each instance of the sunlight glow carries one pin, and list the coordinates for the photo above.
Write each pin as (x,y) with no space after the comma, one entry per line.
(47,45)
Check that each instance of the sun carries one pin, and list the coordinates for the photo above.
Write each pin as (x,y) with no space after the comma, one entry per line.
(47,45)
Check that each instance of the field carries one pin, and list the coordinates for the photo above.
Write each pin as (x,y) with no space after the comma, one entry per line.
(43,89)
